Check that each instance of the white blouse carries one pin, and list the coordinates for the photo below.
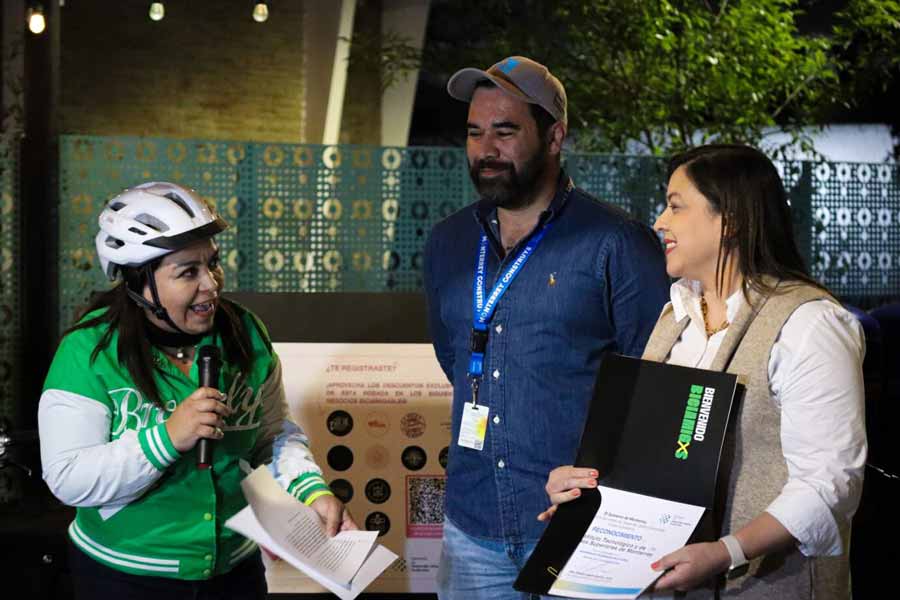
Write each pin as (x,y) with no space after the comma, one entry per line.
(816,381)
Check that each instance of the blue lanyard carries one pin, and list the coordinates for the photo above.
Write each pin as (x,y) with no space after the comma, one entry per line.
(484,304)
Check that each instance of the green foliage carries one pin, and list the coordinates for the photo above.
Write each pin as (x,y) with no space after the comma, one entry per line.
(668,74)
(390,54)
(867,40)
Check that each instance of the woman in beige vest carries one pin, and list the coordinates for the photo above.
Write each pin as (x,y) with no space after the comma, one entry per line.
(744,303)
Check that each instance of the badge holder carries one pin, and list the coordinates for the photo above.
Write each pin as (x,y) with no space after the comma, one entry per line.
(473,426)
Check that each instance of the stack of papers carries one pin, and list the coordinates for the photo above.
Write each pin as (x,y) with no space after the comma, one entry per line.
(345,564)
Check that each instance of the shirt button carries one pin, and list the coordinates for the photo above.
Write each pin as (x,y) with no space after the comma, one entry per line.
(207,572)
(208,558)
(501,464)
(496,420)
(499,328)
(207,517)
(496,373)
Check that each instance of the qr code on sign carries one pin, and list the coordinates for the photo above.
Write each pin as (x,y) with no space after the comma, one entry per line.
(425,506)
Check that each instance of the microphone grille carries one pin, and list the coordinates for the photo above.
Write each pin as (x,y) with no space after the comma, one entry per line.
(209,352)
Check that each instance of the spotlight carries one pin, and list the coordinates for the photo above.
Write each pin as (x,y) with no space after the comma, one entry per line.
(36,21)
(260,12)
(157,11)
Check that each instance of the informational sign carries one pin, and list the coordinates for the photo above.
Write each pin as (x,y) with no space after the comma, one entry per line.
(378,420)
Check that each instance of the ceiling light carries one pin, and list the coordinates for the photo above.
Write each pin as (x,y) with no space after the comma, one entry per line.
(260,12)
(157,11)
(36,21)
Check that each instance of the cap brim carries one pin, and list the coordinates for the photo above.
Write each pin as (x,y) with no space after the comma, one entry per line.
(462,85)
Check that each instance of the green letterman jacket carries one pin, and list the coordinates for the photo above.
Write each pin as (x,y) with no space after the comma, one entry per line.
(142,507)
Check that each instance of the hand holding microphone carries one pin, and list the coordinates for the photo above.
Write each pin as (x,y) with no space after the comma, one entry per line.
(198,420)
(208,363)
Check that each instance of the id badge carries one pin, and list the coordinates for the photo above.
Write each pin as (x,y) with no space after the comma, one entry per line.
(474,426)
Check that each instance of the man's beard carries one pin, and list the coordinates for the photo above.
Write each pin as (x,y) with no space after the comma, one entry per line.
(512,189)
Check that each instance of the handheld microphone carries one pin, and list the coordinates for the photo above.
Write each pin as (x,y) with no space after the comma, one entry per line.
(209,362)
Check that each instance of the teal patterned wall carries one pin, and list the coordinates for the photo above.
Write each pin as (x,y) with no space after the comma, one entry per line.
(304,218)
(309,218)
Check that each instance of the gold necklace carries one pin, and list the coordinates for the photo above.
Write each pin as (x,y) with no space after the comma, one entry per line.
(704,309)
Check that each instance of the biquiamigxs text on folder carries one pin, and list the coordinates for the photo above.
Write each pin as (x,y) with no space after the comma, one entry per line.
(655,433)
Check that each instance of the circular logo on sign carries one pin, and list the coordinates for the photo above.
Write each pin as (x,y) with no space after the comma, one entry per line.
(340,458)
(377,424)
(412,424)
(442,457)
(340,422)
(378,491)
(343,489)
(414,458)
(377,457)
(378,521)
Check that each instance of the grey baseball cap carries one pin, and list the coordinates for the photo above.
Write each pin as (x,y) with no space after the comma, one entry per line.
(521,78)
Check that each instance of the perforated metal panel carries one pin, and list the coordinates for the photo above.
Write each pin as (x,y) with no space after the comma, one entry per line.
(635,183)
(856,227)
(310,218)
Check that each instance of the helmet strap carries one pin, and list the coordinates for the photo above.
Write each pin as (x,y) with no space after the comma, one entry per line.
(158,336)
(171,339)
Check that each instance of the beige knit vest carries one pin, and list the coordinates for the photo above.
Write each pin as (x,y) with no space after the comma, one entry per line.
(758,469)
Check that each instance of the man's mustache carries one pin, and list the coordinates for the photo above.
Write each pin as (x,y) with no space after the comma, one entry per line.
(493,165)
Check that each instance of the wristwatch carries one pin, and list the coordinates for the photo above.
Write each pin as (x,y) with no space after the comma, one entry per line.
(739,563)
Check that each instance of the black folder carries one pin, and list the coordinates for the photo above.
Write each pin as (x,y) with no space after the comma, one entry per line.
(644,434)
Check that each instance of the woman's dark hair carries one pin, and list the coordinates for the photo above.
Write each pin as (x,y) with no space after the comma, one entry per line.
(743,186)
(124,316)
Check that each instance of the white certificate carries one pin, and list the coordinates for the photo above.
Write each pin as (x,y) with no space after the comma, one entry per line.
(628,533)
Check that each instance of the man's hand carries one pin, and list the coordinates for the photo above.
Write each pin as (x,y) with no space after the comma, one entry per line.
(334,514)
(563,485)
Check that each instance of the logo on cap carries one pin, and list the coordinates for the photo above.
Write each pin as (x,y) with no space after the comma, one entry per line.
(508,65)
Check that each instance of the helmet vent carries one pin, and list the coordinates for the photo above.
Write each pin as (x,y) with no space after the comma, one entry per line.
(180,202)
(150,221)
(116,206)
(114,243)
(137,231)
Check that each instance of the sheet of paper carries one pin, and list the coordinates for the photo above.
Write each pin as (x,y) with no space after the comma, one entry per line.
(628,533)
(345,564)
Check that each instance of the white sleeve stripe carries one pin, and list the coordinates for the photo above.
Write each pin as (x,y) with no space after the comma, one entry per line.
(153,444)
(309,483)
(167,459)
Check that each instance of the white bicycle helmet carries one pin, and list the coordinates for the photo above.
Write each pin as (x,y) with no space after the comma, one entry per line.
(149,221)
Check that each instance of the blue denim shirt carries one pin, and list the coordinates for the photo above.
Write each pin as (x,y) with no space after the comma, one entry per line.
(596,283)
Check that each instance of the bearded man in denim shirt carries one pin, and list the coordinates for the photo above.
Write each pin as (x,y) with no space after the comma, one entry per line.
(526,289)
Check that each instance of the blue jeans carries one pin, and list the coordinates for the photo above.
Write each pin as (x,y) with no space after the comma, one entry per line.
(477,569)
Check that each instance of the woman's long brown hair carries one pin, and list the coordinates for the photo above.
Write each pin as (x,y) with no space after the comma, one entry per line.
(743,186)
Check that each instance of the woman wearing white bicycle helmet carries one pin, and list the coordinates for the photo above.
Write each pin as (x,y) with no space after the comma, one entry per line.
(121,414)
